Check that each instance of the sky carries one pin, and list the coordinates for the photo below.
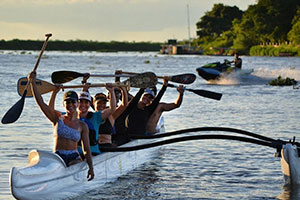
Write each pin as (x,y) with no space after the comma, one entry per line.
(105,20)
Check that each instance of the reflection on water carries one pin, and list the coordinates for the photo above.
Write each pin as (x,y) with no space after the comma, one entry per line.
(290,193)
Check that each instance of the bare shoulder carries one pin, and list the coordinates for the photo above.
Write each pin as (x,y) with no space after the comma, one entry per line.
(83,125)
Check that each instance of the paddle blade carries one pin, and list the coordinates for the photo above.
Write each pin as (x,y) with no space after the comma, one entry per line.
(143,80)
(64,76)
(15,111)
(183,78)
(207,94)
(43,87)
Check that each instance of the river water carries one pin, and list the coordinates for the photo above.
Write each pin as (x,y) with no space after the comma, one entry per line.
(204,169)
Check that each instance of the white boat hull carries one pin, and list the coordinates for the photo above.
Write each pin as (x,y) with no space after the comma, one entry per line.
(49,178)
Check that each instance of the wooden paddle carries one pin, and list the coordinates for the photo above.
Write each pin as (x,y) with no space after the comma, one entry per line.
(203,93)
(15,111)
(139,81)
(66,76)
(181,78)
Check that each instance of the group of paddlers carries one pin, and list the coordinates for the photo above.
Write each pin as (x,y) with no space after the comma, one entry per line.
(80,133)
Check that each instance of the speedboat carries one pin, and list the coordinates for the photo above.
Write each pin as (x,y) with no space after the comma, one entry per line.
(217,70)
(47,176)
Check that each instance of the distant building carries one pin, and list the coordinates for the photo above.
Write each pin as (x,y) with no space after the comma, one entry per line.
(172,48)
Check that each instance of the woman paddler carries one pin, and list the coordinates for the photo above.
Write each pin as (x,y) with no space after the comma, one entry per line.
(95,119)
(68,129)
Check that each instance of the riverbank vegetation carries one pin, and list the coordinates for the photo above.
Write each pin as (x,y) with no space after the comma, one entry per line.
(275,50)
(227,29)
(79,45)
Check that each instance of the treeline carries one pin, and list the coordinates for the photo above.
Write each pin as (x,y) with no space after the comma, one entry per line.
(280,50)
(79,45)
(267,21)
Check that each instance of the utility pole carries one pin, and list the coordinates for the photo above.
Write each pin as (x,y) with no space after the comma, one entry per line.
(188,21)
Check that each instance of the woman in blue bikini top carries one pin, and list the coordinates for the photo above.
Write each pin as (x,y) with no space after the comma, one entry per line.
(68,129)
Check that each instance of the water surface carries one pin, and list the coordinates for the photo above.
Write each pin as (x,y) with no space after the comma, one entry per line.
(206,169)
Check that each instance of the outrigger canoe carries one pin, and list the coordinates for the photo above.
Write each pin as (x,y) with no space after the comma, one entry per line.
(47,176)
(215,71)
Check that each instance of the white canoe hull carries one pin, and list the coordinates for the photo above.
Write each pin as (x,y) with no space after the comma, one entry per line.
(290,165)
(47,177)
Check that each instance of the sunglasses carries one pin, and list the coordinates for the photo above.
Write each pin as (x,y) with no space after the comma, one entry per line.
(70,101)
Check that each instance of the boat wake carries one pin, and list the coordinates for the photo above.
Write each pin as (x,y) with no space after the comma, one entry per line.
(260,76)
(274,73)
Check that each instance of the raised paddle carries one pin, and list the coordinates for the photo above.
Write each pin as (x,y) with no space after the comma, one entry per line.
(143,80)
(180,78)
(203,93)
(15,111)
(66,76)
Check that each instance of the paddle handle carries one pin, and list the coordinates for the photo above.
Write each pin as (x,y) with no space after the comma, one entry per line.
(133,73)
(42,51)
(39,58)
(96,85)
(111,75)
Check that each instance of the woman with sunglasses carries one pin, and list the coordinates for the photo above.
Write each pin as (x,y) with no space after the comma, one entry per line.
(68,129)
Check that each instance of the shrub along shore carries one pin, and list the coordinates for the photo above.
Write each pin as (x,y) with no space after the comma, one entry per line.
(282,50)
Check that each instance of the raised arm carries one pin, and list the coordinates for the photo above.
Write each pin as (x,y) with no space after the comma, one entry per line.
(85,77)
(155,102)
(117,79)
(85,143)
(53,97)
(47,110)
(177,104)
(112,102)
(120,109)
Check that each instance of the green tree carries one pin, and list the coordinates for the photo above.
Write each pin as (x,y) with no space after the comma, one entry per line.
(294,34)
(218,20)
(267,21)
(246,35)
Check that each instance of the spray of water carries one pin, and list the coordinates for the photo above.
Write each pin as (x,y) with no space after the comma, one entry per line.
(258,76)
(274,73)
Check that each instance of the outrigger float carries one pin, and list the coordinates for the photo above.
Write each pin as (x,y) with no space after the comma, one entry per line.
(47,177)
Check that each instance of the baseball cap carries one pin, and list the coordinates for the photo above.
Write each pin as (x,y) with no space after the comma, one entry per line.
(70,95)
(148,91)
(100,97)
(85,95)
